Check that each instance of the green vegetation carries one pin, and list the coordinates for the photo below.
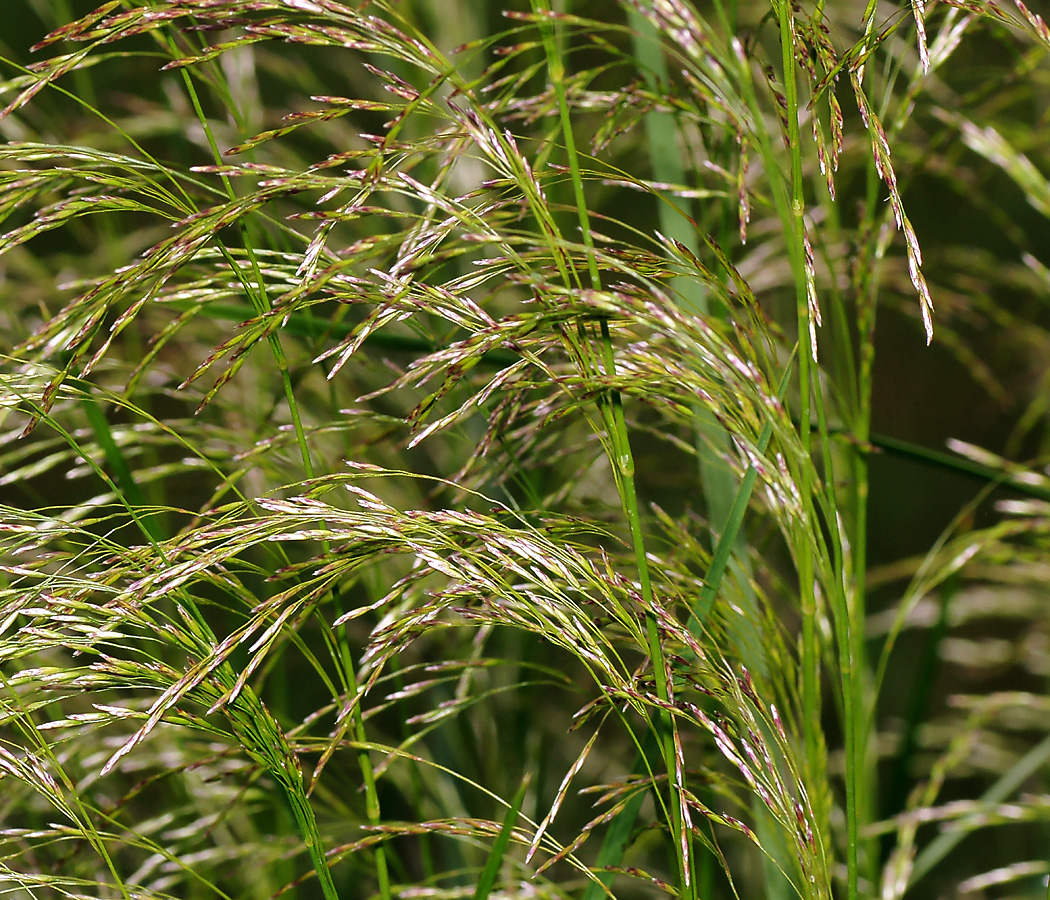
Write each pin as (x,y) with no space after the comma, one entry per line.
(467,449)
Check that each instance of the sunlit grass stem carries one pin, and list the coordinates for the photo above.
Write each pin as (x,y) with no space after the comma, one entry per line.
(622,463)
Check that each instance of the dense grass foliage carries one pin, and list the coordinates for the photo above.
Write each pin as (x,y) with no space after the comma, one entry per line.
(459,449)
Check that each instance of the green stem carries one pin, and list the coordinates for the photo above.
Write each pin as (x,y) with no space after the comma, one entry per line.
(622,462)
(811,692)
(864,711)
(294,787)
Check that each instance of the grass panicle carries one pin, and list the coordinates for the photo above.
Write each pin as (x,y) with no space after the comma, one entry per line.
(444,450)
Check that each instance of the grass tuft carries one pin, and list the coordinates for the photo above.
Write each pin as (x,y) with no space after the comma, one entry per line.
(459,451)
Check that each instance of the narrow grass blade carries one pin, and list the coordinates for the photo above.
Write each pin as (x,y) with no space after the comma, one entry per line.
(121,470)
(499,849)
(1011,780)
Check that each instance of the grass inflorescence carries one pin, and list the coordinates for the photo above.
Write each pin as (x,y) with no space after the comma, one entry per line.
(443,450)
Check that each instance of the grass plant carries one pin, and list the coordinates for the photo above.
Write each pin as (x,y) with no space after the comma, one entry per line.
(442,448)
